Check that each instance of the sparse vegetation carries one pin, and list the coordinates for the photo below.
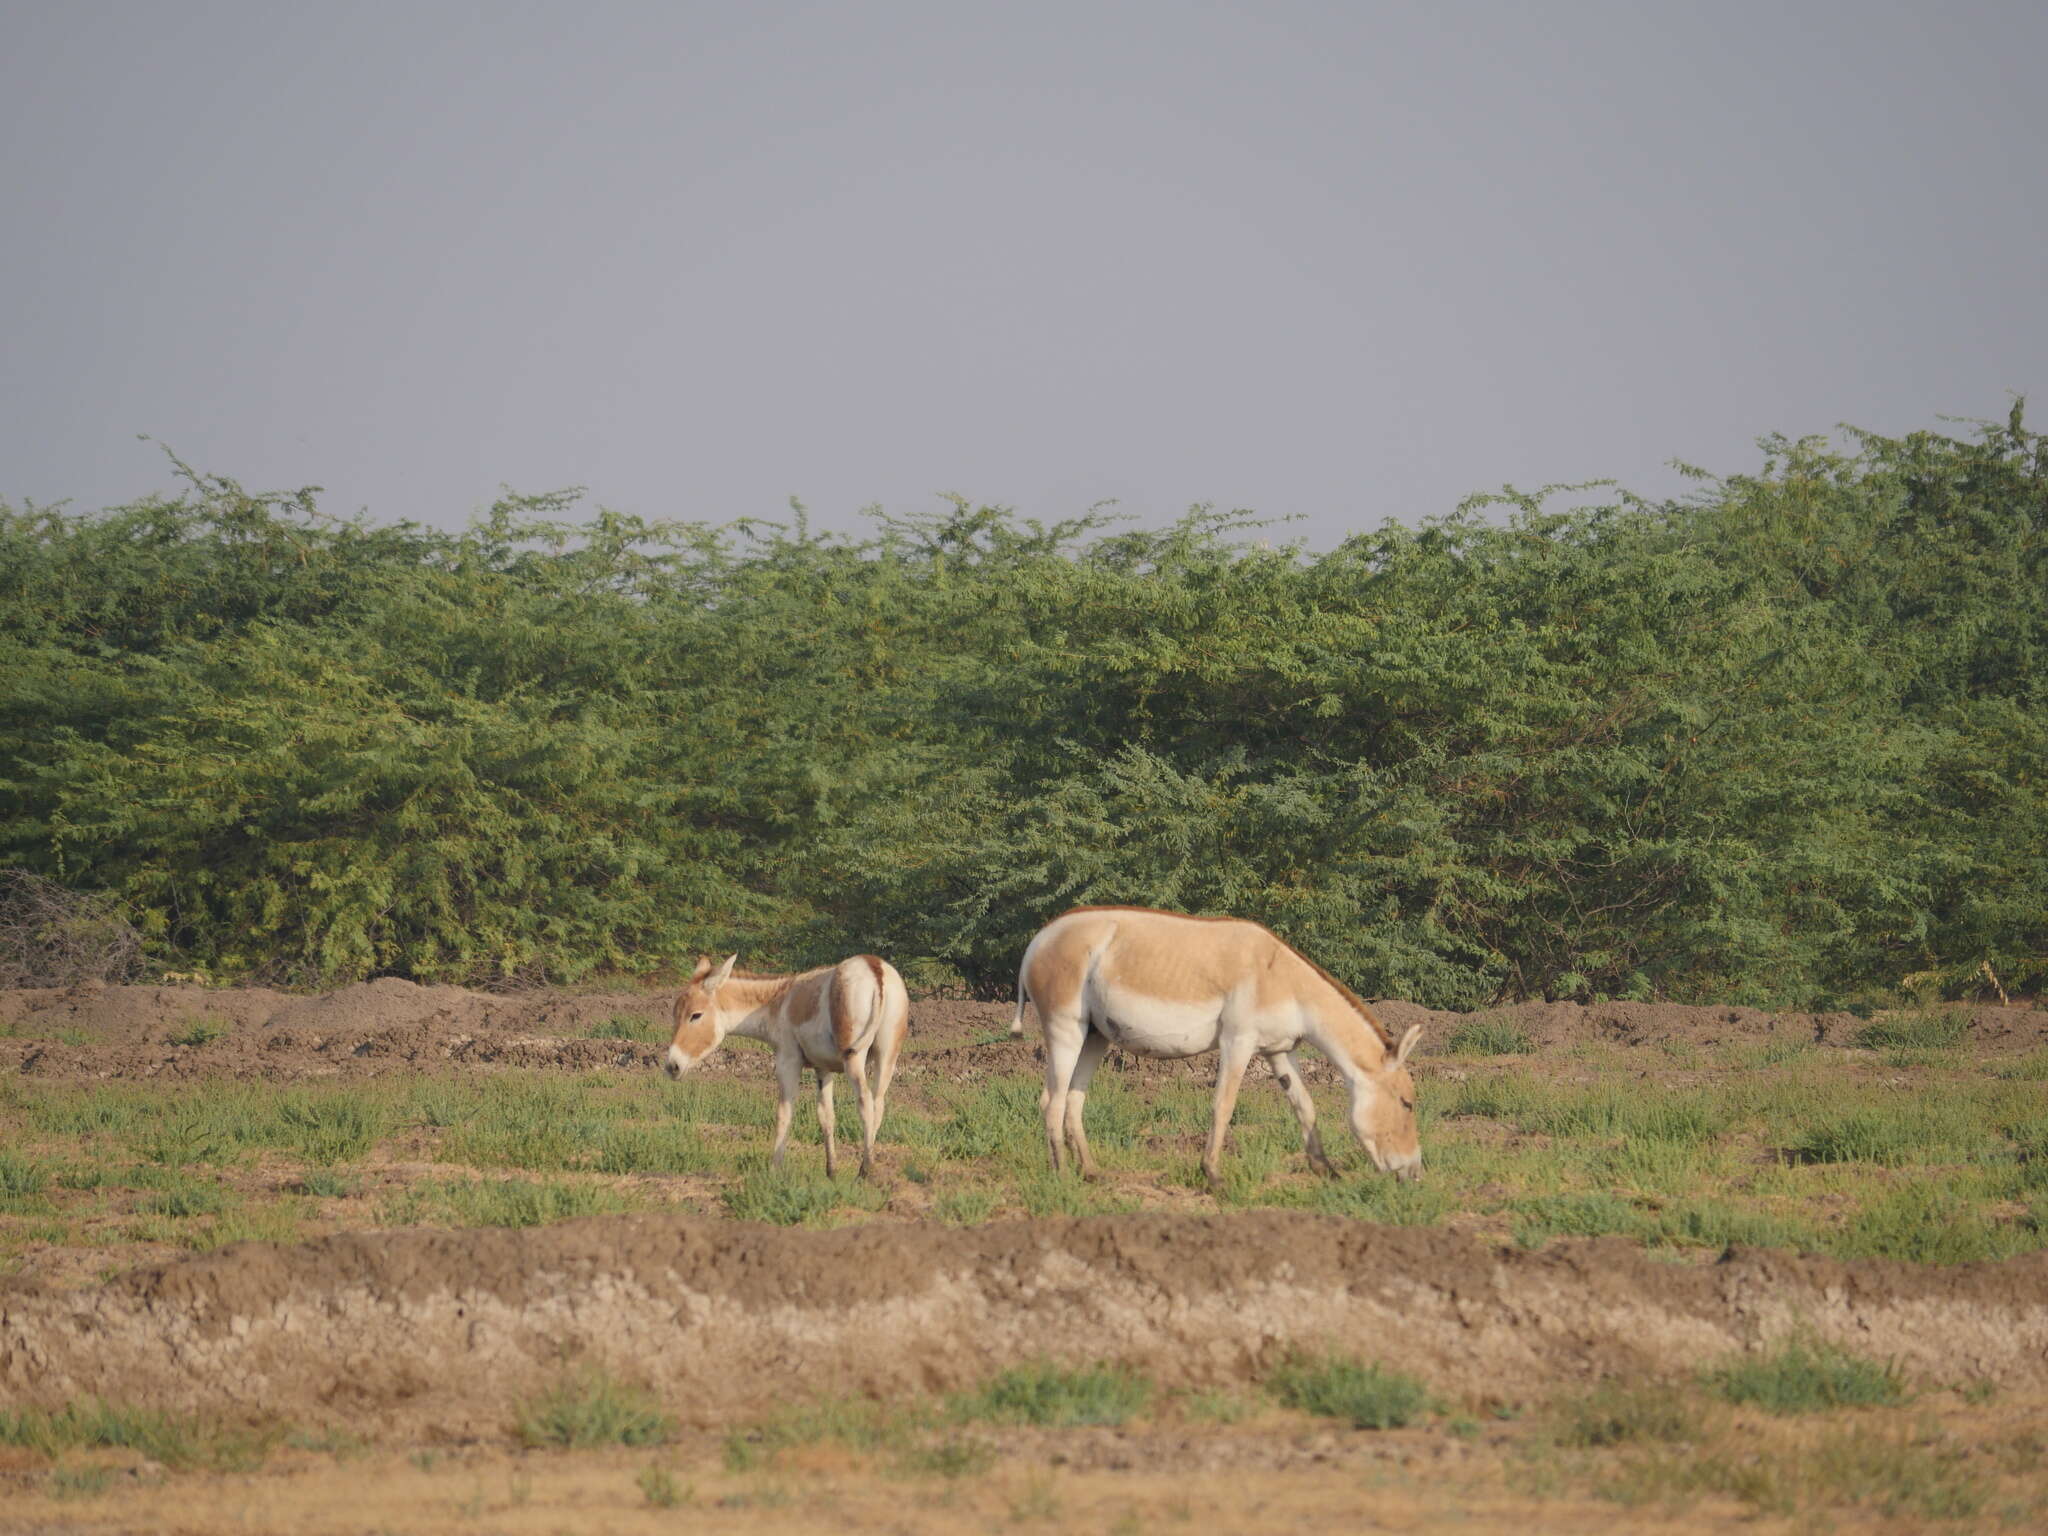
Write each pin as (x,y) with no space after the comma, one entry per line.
(1485,1036)
(176,1441)
(1056,1397)
(1805,1376)
(203,1030)
(1365,1396)
(658,1485)
(593,1408)
(1627,1414)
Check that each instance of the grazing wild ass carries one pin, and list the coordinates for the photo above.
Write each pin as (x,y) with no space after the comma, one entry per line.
(1163,984)
(830,1020)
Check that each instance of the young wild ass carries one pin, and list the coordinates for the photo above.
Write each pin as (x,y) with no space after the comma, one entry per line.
(1164,984)
(830,1020)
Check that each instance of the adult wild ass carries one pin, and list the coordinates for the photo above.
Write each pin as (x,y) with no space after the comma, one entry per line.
(832,1019)
(1164,984)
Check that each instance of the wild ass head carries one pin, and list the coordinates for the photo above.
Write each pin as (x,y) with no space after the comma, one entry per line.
(700,1025)
(1383,1112)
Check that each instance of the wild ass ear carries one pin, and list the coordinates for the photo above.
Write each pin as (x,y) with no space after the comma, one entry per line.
(723,974)
(1407,1045)
(703,968)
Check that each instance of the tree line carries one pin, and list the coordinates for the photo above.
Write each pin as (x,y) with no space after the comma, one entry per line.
(1779,741)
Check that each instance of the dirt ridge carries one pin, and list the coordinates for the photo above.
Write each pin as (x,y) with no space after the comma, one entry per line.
(444,1332)
(99,1032)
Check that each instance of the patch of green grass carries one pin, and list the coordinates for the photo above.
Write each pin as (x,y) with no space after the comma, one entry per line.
(1806,1376)
(1380,1198)
(342,1444)
(2028,1067)
(1539,1218)
(965,1207)
(593,1408)
(1218,1407)
(1485,1035)
(789,1199)
(1720,1224)
(277,1222)
(858,1425)
(949,1458)
(332,1126)
(501,1203)
(1928,1224)
(671,1149)
(187,1200)
(658,1486)
(325,1184)
(1057,1398)
(1928,1032)
(80,1482)
(1859,1468)
(1367,1396)
(1861,1136)
(177,1440)
(22,1182)
(204,1030)
(1044,1193)
(626,1026)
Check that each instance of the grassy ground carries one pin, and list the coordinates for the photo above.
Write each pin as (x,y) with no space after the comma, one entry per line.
(1803,1435)
(1912,1149)
(1923,1154)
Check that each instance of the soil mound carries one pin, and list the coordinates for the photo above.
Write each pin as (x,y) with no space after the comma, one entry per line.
(444,1332)
(96,1031)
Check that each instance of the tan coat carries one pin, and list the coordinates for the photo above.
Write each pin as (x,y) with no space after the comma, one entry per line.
(1166,984)
(833,1019)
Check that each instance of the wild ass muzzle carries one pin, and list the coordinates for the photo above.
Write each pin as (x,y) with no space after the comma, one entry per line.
(834,1019)
(1167,985)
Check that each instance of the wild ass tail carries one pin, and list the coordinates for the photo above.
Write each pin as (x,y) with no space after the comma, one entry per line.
(1023,997)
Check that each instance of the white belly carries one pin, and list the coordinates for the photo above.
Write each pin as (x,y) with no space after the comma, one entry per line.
(1148,1026)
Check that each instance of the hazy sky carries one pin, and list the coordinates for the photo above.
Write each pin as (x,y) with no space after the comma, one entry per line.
(1345,261)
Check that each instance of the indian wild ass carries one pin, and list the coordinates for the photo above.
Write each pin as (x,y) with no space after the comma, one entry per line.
(830,1020)
(1164,984)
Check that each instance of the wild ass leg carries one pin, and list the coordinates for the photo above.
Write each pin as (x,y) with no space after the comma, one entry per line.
(1065,1034)
(1288,1073)
(1232,1057)
(789,1079)
(1092,1050)
(870,1111)
(828,1123)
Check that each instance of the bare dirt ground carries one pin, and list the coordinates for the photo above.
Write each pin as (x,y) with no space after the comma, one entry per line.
(441,1333)
(98,1032)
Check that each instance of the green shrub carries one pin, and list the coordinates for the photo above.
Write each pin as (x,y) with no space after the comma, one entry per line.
(1368,1396)
(1057,1398)
(202,1031)
(1805,1376)
(591,1408)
